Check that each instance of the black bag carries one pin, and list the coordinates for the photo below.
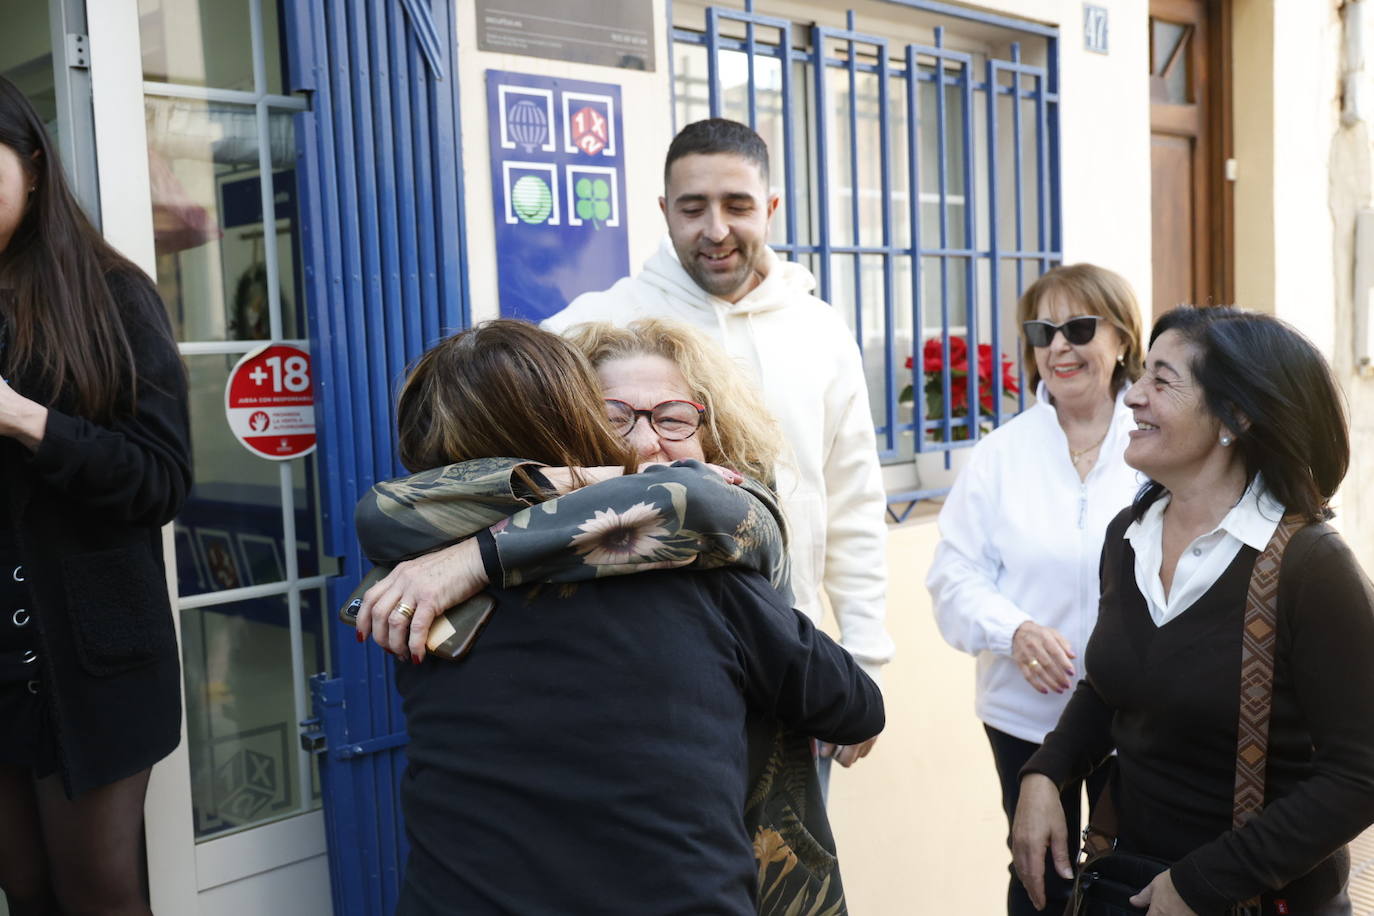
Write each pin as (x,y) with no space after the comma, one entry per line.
(1105,884)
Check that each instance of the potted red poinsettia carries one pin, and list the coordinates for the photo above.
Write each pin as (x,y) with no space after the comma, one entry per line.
(932,365)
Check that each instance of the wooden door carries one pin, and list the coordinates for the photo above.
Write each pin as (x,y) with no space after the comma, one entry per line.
(1190,142)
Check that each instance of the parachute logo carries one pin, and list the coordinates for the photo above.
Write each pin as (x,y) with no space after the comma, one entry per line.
(528,124)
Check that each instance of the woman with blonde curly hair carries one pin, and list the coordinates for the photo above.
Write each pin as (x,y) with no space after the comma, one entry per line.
(736,431)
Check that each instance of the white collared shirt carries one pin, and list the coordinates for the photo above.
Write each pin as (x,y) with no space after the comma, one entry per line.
(1251,522)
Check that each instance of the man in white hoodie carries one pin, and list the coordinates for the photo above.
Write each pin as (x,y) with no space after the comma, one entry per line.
(715,271)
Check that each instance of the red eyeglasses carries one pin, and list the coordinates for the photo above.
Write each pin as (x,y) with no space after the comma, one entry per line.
(672,420)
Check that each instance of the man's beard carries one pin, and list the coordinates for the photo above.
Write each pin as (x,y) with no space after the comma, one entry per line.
(720,285)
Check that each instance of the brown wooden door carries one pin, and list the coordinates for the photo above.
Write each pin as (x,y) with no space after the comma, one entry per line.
(1190,141)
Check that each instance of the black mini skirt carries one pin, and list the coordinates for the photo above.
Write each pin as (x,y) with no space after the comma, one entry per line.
(27,738)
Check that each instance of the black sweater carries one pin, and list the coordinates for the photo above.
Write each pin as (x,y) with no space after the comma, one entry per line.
(87,510)
(1167,699)
(590,754)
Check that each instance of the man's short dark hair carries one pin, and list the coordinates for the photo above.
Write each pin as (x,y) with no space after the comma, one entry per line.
(714,136)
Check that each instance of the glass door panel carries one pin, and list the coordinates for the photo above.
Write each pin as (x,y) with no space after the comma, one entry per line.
(221,163)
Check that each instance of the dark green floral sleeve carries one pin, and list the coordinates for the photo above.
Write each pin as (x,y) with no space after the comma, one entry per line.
(664,517)
(403,518)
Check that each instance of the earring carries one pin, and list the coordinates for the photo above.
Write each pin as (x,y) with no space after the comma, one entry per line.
(1121,359)
(1225,440)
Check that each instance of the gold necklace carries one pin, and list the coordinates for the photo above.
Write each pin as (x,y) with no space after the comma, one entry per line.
(1075,457)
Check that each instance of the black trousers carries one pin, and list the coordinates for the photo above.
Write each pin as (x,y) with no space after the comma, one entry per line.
(1010,754)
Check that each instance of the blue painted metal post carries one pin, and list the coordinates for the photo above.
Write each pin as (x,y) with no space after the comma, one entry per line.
(889,252)
(788,143)
(822,109)
(970,269)
(855,180)
(913,97)
(714,100)
(994,245)
(385,276)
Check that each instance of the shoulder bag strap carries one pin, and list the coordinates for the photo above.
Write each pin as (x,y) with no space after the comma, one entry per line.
(1258,637)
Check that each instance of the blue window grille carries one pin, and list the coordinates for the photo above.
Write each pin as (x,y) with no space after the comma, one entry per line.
(919,177)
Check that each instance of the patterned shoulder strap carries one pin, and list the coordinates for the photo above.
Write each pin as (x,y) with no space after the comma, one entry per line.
(1258,638)
(1257,673)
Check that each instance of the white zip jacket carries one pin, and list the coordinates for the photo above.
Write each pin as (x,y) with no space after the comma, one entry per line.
(1021,539)
(807,364)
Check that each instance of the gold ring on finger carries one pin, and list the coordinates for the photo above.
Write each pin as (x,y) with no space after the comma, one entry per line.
(1034,663)
(405,610)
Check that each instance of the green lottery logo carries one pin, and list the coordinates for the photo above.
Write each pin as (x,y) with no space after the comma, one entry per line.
(593,200)
(532,199)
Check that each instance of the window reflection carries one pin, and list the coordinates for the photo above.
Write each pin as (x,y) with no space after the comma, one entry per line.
(208,218)
(240,711)
(195,43)
(26,57)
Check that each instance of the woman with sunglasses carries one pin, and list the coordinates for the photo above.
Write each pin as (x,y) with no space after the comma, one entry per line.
(1014,580)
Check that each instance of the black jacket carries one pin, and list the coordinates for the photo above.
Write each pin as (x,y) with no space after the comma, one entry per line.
(86,510)
(590,755)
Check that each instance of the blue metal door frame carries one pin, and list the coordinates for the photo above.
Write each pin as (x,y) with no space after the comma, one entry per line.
(379,159)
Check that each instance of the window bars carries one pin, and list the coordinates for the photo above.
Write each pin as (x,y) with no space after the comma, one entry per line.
(860,120)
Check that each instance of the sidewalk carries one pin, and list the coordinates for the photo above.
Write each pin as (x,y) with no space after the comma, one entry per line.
(919,821)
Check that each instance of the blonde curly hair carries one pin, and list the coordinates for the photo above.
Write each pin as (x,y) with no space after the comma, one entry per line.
(738,432)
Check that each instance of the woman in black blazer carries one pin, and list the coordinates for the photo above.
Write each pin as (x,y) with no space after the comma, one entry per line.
(94,460)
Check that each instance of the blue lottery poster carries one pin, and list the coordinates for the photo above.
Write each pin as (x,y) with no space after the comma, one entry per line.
(558,190)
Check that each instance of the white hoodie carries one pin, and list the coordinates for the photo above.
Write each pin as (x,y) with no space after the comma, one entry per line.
(1021,539)
(808,366)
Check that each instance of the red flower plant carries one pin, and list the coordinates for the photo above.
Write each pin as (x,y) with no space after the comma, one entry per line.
(933,364)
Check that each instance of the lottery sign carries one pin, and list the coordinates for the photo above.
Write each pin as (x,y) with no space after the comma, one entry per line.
(558,189)
(269,402)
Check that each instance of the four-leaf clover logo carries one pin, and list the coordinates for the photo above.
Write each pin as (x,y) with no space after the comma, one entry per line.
(593,200)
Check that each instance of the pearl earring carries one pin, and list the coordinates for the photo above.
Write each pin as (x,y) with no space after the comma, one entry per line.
(1225,440)
(1121,359)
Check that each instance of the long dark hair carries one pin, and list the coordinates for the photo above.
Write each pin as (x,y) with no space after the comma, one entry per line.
(505,389)
(1273,391)
(65,333)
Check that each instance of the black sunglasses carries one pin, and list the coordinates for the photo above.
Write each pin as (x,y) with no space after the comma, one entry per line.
(1077,331)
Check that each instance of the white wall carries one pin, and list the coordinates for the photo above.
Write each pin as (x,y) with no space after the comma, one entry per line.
(1349,180)
(1302,178)
(1104,136)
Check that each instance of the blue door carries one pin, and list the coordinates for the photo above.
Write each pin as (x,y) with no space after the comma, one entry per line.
(385,276)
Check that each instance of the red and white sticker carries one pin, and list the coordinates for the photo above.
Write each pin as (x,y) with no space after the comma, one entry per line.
(589,131)
(269,401)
